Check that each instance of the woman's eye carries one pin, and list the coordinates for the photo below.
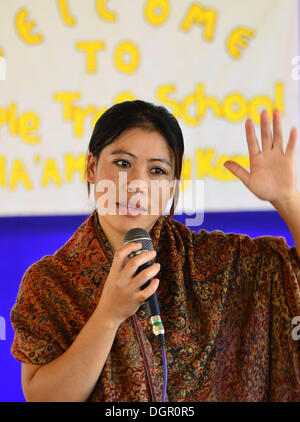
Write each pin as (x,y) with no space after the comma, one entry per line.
(158,170)
(123,161)
(161,171)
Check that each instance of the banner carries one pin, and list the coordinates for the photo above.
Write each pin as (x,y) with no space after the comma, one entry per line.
(211,63)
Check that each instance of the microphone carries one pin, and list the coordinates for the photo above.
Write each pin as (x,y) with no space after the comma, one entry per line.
(142,236)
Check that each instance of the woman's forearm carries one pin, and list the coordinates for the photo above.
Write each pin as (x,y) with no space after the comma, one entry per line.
(290,212)
(73,375)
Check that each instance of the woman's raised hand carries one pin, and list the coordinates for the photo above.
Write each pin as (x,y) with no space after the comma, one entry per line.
(272,174)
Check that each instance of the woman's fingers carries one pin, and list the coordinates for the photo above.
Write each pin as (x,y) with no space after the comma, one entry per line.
(148,291)
(145,275)
(292,142)
(265,129)
(252,142)
(122,253)
(135,262)
(268,140)
(277,131)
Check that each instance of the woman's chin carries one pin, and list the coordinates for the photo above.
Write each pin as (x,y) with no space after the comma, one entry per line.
(123,223)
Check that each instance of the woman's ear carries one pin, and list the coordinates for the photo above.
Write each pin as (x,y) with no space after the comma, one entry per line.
(91,168)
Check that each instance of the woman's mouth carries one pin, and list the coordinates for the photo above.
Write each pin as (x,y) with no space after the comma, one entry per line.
(131,211)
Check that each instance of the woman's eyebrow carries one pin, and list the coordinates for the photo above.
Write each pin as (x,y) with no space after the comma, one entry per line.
(121,151)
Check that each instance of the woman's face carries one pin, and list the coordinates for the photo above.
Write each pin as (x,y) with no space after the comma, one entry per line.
(134,179)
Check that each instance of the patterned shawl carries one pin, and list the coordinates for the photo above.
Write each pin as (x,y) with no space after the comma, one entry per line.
(227,302)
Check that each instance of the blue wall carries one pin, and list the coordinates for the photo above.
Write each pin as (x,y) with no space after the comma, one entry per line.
(25,240)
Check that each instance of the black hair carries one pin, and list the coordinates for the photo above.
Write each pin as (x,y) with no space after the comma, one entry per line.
(139,114)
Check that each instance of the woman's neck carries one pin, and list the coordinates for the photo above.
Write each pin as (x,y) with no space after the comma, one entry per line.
(114,236)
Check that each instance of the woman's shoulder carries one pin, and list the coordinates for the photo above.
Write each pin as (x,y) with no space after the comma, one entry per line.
(205,241)
(203,235)
(53,267)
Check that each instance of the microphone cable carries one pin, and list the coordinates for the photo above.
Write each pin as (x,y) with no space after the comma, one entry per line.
(142,236)
(165,376)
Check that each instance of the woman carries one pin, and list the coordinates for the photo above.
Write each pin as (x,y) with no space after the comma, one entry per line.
(227,301)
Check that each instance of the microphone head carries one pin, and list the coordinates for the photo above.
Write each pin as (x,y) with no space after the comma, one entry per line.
(139,235)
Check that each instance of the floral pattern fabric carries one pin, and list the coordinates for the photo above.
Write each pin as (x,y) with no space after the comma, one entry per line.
(227,302)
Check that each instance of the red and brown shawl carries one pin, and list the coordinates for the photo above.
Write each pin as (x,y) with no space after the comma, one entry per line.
(227,303)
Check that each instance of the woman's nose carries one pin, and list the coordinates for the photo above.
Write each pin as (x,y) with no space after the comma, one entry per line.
(137,180)
(137,186)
